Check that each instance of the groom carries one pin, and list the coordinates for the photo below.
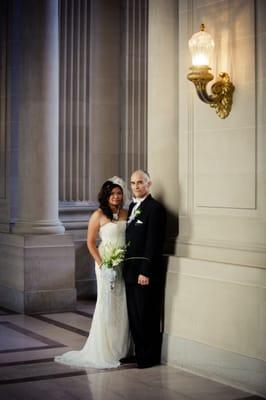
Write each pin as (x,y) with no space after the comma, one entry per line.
(143,270)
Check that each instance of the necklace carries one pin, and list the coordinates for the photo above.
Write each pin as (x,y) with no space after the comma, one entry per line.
(116,215)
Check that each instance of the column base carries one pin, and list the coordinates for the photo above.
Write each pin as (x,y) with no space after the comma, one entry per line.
(38,227)
(36,302)
(37,273)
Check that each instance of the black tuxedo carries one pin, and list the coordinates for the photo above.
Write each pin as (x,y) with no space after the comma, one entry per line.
(145,238)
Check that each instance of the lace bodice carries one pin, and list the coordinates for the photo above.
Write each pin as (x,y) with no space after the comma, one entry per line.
(113,232)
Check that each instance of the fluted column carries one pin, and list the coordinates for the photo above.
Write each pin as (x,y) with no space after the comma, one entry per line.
(4,204)
(74,100)
(134,86)
(37,104)
(3,56)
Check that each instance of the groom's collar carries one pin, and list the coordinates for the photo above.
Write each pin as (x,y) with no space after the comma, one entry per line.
(140,199)
(143,201)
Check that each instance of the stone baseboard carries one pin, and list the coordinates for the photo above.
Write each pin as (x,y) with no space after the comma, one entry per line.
(230,368)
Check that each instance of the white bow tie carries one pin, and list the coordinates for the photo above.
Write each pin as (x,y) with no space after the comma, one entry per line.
(134,209)
(136,201)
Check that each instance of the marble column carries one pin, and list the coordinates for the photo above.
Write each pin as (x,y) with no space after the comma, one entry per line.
(38,116)
(37,263)
(4,203)
(134,80)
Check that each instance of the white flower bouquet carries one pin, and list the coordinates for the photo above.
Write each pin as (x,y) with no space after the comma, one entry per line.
(112,257)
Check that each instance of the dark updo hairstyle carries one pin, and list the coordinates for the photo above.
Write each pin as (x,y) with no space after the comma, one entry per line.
(104,195)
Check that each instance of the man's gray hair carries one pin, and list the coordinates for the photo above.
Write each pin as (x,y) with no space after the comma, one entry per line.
(146,173)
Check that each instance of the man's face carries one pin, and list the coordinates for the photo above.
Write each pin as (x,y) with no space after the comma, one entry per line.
(140,184)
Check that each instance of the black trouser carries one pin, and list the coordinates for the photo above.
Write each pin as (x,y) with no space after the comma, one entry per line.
(144,305)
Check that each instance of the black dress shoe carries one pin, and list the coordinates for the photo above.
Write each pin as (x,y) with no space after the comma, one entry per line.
(128,360)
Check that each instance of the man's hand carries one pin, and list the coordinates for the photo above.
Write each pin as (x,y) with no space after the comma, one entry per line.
(143,280)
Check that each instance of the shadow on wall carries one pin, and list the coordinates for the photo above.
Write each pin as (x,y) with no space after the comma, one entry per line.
(172,231)
(172,224)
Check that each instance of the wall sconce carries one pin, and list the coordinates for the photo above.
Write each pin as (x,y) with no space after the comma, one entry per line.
(201,46)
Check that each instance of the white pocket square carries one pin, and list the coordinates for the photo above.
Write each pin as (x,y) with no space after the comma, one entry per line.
(139,221)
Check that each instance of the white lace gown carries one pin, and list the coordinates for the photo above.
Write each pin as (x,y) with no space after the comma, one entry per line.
(109,337)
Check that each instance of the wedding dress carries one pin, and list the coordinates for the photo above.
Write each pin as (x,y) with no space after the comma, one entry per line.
(109,338)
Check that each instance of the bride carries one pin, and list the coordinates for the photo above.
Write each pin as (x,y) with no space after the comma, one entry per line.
(109,338)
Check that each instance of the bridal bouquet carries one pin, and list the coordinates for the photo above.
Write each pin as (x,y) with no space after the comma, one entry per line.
(112,256)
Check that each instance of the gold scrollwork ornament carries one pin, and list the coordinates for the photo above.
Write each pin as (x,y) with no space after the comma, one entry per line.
(222,90)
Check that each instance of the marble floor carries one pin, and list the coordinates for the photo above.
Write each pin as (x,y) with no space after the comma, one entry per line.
(28,344)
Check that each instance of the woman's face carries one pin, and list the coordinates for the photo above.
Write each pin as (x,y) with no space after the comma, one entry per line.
(116,197)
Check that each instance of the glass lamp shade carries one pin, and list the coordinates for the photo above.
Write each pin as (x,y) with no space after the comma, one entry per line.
(201,46)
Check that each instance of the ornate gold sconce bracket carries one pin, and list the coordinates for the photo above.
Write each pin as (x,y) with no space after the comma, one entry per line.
(221,98)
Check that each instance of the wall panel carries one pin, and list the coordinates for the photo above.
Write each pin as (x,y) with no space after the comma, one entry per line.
(222,200)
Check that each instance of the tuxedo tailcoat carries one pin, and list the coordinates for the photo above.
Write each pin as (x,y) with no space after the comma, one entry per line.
(145,236)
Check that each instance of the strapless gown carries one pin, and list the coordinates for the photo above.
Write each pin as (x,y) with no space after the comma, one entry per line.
(109,338)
